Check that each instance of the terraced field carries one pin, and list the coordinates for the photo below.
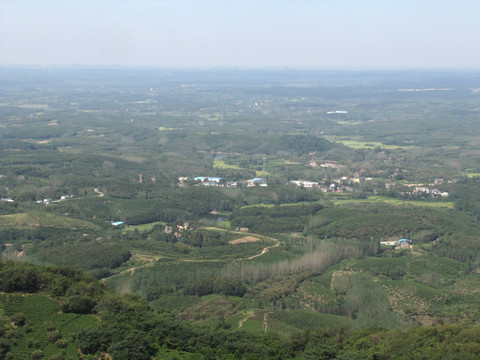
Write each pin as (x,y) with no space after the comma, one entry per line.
(310,320)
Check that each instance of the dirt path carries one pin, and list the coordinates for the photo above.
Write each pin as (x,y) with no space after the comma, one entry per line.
(264,251)
(152,259)
(241,322)
(100,194)
(265,323)
(225,230)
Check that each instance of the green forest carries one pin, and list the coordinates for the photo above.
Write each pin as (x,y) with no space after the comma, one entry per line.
(233,214)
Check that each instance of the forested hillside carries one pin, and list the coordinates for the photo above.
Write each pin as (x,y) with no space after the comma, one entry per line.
(58,313)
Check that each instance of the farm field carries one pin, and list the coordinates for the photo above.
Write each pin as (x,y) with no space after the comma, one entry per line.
(223,165)
(42,219)
(365,144)
(144,227)
(44,329)
(386,200)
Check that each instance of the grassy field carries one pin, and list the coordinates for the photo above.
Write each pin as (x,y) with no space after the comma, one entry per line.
(341,122)
(103,207)
(37,218)
(392,201)
(144,227)
(259,173)
(223,165)
(272,205)
(367,145)
(354,144)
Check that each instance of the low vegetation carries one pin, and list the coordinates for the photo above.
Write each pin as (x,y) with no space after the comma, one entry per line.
(41,320)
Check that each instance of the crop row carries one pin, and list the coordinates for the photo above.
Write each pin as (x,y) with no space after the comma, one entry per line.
(309,320)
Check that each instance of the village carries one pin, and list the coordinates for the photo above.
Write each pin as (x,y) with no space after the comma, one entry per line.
(343,184)
(219,182)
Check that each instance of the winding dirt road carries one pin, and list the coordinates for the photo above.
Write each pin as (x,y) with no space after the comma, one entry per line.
(151,259)
(100,194)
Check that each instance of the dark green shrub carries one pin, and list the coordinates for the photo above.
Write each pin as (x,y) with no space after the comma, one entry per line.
(18,319)
(54,335)
(61,343)
(79,304)
(37,354)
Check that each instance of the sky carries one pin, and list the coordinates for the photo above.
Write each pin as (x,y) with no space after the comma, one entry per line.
(332,34)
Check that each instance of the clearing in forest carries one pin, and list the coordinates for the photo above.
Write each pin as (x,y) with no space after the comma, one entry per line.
(244,240)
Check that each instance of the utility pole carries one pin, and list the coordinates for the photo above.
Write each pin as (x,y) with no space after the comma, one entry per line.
(264,178)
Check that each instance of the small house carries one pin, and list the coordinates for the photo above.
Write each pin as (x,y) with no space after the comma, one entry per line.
(254,181)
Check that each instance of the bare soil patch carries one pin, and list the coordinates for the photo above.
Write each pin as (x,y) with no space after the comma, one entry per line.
(243,240)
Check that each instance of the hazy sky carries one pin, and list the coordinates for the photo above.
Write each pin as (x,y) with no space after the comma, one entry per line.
(243,33)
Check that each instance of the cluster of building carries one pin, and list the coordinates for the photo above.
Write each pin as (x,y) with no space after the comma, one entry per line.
(333,187)
(305,183)
(340,185)
(400,244)
(429,191)
(420,189)
(217,181)
(48,201)
(332,164)
(208,181)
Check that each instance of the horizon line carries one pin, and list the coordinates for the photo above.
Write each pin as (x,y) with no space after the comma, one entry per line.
(237,67)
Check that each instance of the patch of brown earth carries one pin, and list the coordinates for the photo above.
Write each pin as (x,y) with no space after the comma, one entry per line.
(244,240)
